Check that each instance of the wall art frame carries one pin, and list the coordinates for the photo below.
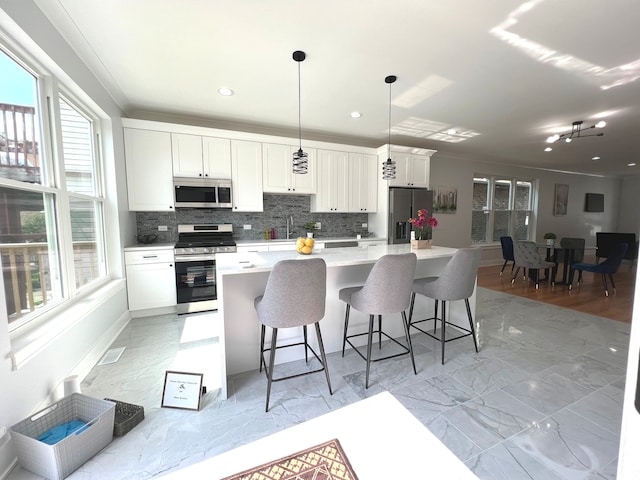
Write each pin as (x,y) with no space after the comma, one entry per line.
(561,199)
(445,199)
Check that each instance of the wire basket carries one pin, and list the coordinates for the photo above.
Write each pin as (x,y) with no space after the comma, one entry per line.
(127,417)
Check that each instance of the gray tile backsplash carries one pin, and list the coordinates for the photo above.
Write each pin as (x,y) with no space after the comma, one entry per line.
(276,209)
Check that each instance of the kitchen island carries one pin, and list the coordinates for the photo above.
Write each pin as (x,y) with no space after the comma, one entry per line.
(243,276)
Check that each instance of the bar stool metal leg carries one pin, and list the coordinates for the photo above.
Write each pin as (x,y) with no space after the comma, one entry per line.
(405,323)
(262,330)
(369,341)
(324,357)
(473,330)
(444,322)
(346,325)
(272,358)
(306,344)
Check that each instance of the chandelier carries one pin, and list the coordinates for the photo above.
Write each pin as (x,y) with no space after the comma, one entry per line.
(577,131)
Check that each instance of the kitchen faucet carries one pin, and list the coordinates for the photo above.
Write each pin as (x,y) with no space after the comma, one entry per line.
(289,225)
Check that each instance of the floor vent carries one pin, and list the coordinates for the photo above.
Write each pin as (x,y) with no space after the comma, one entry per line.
(112,356)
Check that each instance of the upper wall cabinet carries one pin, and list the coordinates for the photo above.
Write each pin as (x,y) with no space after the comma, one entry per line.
(363,183)
(200,157)
(278,176)
(246,176)
(333,187)
(411,170)
(149,170)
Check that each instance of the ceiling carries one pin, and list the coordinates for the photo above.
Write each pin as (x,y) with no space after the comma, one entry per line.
(504,76)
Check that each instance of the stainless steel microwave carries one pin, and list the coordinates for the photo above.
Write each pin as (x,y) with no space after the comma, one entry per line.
(202,192)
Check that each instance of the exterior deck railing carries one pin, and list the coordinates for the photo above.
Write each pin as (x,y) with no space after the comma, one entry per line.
(27,274)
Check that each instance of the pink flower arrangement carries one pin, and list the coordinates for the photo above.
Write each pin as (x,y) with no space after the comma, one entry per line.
(423,225)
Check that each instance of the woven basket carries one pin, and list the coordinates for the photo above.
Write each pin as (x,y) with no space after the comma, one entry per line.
(127,417)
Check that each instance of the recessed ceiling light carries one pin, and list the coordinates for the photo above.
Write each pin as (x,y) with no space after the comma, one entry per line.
(227,92)
(548,149)
(452,131)
(356,115)
(595,158)
(632,164)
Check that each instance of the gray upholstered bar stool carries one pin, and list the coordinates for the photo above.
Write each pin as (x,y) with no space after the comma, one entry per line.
(285,305)
(456,282)
(386,290)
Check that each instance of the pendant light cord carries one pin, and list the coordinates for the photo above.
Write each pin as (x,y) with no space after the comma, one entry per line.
(299,110)
(389,142)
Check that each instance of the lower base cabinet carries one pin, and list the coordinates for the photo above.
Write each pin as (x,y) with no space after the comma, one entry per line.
(151,279)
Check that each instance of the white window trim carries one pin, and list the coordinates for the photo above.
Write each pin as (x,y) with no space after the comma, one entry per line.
(533,203)
(53,182)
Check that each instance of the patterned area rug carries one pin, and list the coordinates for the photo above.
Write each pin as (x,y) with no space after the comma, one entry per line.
(326,461)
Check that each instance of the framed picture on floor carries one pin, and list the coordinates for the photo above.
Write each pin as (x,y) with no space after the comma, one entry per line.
(182,390)
(561,199)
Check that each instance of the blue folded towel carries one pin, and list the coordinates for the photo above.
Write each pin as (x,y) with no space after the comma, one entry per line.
(55,434)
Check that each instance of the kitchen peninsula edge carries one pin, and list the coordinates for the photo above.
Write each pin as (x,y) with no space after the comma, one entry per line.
(243,276)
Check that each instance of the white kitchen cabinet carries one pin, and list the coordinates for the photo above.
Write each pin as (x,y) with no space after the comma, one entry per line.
(149,170)
(251,248)
(281,247)
(200,157)
(151,278)
(411,170)
(246,176)
(363,183)
(333,172)
(371,243)
(278,176)
(216,157)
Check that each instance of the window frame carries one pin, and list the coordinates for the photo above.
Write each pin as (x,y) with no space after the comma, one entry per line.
(49,90)
(491,181)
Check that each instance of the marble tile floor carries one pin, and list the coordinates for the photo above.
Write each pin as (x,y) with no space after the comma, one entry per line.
(542,399)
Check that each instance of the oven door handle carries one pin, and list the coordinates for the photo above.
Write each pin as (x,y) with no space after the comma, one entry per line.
(194,258)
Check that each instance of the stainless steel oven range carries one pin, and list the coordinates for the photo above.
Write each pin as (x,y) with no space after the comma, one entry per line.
(195,259)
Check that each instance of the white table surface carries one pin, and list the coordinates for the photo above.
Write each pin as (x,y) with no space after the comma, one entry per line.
(381,439)
(249,262)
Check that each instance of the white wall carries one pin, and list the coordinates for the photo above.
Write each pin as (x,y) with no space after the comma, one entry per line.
(455,229)
(628,458)
(91,325)
(628,216)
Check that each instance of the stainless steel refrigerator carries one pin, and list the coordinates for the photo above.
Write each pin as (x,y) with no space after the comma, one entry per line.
(404,203)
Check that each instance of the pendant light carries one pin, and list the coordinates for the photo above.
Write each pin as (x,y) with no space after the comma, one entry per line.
(389,167)
(300,158)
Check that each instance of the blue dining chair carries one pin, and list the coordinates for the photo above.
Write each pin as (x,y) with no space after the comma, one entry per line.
(507,252)
(606,268)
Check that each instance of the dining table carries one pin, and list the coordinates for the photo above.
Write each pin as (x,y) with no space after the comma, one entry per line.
(565,255)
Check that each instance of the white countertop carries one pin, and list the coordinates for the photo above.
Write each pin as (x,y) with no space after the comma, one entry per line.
(380,438)
(251,262)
